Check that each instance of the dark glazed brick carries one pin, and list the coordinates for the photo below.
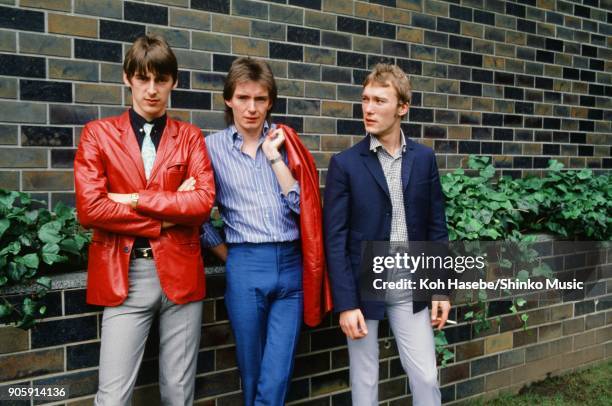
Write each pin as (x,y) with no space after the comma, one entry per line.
(335,40)
(351,59)
(462,13)
(511,120)
(297,123)
(26,20)
(581,11)
(513,93)
(445,147)
(543,83)
(64,331)
(597,64)
(336,75)
(388,3)
(461,43)
(374,59)
(302,71)
(217,383)
(448,25)
(412,130)
(381,30)
(191,100)
(545,56)
(286,51)
(424,21)
(351,25)
(411,67)
(62,158)
(303,35)
(46,136)
(16,65)
(436,38)
(184,80)
(481,133)
(586,126)
(552,123)
(222,63)
(493,148)
(459,73)
(117,31)
(72,114)
(97,50)
(420,115)
(484,365)
(503,134)
(74,300)
(216,6)
(503,78)
(554,45)
(471,59)
(484,17)
(523,108)
(469,147)
(348,127)
(331,382)
(480,75)
(578,138)
(394,48)
(522,162)
(82,356)
(587,76)
(145,13)
(434,132)
(469,388)
(587,101)
(359,76)
(492,119)
(313,4)
(515,10)
(40,90)
(525,53)
(471,89)
(526,26)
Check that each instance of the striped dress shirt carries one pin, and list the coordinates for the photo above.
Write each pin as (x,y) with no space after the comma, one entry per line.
(249,197)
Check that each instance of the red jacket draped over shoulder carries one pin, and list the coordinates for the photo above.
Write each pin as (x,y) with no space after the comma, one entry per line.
(317,292)
(109,160)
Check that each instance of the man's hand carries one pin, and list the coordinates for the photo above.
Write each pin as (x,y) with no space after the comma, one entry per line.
(122,198)
(437,307)
(353,324)
(272,143)
(187,185)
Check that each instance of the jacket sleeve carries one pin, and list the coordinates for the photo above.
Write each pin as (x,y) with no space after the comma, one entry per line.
(336,210)
(437,230)
(94,208)
(190,208)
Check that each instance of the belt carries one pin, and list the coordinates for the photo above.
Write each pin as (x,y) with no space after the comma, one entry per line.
(142,253)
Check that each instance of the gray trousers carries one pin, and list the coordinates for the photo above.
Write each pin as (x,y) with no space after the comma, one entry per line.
(414,337)
(125,329)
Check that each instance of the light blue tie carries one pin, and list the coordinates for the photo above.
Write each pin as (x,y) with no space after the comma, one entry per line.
(148,150)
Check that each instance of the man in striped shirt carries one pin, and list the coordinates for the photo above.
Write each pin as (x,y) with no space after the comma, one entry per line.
(259,201)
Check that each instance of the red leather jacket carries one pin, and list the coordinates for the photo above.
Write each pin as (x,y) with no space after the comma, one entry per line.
(317,291)
(108,160)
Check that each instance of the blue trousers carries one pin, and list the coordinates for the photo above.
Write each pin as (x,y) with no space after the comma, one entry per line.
(264,300)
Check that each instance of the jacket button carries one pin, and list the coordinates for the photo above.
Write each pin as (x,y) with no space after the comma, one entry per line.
(126,249)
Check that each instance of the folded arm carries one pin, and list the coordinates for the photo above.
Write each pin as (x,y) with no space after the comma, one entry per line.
(94,208)
(192,207)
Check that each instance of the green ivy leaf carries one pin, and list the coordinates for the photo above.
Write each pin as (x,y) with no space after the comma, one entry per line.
(31,261)
(520,302)
(49,233)
(4,225)
(28,306)
(5,310)
(44,281)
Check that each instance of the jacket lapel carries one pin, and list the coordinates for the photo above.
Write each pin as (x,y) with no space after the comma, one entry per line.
(407,161)
(166,147)
(130,147)
(370,160)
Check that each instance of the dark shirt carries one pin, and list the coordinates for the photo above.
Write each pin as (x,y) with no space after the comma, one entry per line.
(159,124)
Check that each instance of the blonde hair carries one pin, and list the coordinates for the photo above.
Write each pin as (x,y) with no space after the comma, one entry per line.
(385,74)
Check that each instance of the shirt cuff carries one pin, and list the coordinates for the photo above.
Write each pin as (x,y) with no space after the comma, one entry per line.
(210,237)
(293,198)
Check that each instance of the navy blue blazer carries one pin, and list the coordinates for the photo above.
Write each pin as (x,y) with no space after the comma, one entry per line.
(357,208)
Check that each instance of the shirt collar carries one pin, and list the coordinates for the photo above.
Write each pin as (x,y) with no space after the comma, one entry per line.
(375,143)
(138,121)
(237,139)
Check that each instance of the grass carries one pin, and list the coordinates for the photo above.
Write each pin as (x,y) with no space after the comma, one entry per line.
(591,387)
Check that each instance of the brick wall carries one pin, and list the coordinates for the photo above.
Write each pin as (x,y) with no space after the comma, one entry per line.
(521,81)
(564,332)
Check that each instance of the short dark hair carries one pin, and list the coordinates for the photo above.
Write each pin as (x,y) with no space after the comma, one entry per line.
(247,69)
(150,53)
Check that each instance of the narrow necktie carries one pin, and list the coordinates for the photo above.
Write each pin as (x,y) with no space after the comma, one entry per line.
(148,150)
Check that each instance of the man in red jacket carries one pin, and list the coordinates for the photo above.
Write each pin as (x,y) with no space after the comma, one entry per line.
(144,184)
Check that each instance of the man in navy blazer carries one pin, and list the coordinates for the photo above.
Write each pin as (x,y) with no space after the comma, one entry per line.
(384,188)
